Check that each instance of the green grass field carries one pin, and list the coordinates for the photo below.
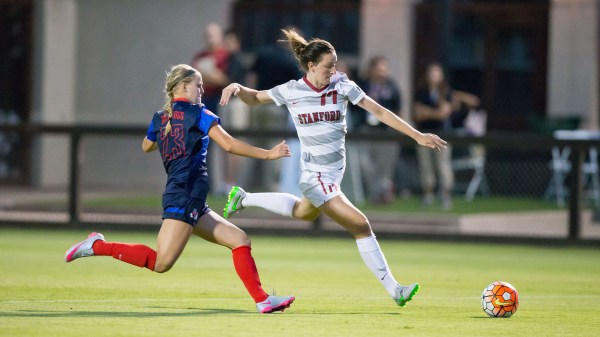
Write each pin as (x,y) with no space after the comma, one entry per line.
(336,295)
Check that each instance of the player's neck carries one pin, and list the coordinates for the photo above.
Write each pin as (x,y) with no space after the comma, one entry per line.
(177,97)
(313,81)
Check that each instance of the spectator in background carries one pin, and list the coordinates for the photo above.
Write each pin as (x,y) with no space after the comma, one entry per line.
(236,67)
(212,62)
(234,116)
(379,159)
(274,64)
(432,111)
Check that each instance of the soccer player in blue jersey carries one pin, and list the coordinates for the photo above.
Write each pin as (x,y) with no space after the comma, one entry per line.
(181,133)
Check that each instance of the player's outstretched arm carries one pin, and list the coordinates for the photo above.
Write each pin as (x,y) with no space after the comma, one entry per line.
(236,146)
(247,95)
(389,118)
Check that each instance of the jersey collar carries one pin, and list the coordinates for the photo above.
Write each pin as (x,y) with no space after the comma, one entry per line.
(310,85)
(181,99)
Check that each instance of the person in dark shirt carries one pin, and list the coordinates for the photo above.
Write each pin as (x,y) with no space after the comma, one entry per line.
(236,67)
(181,133)
(378,160)
(273,64)
(226,170)
(432,111)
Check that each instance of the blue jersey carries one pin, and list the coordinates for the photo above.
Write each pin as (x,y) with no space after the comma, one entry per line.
(184,149)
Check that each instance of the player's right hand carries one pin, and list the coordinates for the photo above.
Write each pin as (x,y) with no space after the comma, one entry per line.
(228,91)
(279,150)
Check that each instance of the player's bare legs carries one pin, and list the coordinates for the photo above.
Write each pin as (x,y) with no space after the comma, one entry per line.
(214,228)
(304,210)
(172,238)
(342,211)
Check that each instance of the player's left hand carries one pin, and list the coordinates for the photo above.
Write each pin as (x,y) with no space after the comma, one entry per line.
(432,141)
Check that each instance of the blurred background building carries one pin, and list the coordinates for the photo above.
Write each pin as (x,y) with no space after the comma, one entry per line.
(103,62)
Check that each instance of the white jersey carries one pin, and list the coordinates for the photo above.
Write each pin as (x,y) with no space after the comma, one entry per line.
(320,118)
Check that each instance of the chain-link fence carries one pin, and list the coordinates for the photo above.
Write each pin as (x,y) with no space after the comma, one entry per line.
(518,186)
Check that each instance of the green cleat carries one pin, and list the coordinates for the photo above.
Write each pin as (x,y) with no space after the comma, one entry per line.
(234,202)
(405,293)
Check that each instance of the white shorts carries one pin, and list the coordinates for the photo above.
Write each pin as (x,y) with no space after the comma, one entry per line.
(320,187)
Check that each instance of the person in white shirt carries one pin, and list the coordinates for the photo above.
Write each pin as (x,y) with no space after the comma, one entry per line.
(317,103)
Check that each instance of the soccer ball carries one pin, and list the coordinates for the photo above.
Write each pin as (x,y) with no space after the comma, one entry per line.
(500,299)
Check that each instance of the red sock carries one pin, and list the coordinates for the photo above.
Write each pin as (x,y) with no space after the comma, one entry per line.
(247,272)
(135,254)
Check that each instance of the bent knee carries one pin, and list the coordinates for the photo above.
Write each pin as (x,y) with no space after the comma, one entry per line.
(363,230)
(358,221)
(359,228)
(162,267)
(364,225)
(307,215)
(240,239)
(242,243)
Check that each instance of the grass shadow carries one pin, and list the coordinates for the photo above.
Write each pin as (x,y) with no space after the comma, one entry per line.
(79,313)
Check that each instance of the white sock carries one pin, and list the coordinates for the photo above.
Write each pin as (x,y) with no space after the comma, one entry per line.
(373,257)
(279,203)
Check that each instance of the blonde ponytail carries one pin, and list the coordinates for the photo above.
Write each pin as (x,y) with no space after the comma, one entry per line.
(181,73)
(168,109)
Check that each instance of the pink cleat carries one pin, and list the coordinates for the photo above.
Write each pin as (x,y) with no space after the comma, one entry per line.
(83,248)
(274,303)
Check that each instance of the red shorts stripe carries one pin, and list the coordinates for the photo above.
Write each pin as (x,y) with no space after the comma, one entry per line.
(322,185)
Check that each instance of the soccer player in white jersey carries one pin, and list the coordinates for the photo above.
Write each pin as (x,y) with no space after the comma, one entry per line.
(317,103)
